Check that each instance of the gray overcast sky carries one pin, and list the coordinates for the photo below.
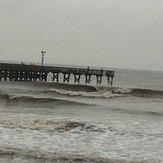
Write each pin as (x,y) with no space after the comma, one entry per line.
(104,33)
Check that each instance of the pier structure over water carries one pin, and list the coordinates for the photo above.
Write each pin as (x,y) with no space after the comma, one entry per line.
(32,72)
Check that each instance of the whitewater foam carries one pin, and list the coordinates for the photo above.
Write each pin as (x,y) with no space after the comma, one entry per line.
(60,125)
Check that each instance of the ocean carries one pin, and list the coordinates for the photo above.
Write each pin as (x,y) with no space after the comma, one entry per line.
(46,122)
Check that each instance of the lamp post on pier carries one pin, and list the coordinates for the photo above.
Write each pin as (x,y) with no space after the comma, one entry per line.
(42,61)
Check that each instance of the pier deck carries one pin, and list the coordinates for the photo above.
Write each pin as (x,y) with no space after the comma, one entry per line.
(24,72)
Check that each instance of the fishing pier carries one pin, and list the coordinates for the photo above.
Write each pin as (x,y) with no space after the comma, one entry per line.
(32,72)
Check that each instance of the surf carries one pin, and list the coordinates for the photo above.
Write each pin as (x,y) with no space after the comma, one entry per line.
(33,100)
(58,156)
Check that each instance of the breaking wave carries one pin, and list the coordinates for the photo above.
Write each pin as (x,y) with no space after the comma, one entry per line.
(111,92)
(52,95)
(53,125)
(31,99)
(147,93)
(42,124)
(63,86)
(57,156)
(139,92)
(106,94)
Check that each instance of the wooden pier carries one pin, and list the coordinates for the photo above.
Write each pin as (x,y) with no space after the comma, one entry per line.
(32,72)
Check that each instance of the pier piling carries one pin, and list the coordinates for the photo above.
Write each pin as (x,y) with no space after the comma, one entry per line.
(76,78)
(55,77)
(99,79)
(66,78)
(87,79)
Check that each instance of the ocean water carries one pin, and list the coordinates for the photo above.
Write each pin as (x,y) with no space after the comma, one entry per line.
(48,122)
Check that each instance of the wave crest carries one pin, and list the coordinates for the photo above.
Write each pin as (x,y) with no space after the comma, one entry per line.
(138,92)
(102,94)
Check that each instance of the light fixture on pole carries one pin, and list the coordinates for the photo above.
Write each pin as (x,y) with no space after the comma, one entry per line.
(42,61)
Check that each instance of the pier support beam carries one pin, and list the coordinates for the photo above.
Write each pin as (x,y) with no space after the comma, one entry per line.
(38,76)
(21,75)
(55,76)
(87,79)
(15,76)
(110,80)
(77,78)
(11,75)
(43,76)
(66,78)
(30,76)
(5,75)
(99,79)
(0,75)
(33,76)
